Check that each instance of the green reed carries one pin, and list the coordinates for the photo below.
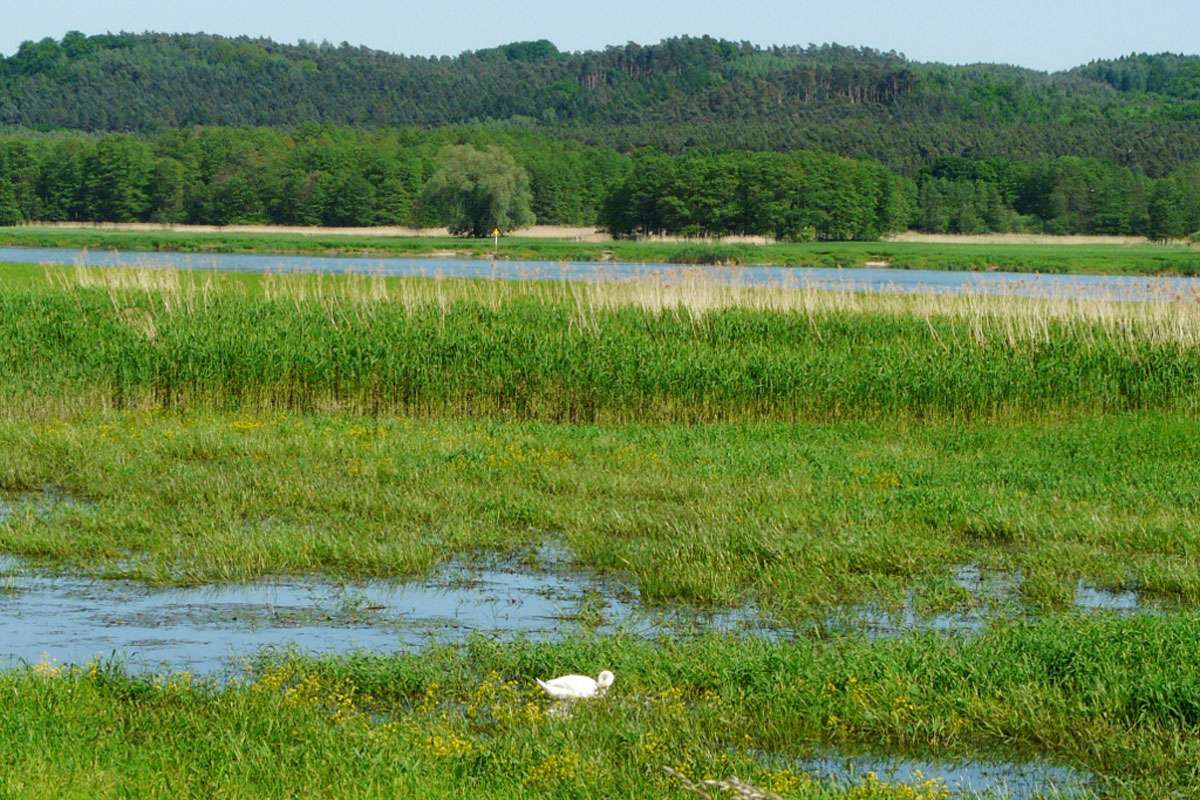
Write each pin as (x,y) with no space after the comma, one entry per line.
(586,354)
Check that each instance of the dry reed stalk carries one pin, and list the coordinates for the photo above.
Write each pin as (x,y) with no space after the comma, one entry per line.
(1167,318)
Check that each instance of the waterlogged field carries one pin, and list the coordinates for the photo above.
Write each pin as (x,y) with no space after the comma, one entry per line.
(1074,258)
(958,535)
(797,517)
(466,721)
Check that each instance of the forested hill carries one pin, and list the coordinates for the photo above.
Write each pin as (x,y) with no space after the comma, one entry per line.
(1140,112)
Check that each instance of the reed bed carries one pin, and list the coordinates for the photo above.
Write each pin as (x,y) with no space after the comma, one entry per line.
(1161,314)
(684,346)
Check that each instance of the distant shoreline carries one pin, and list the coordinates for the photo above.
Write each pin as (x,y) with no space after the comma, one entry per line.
(1075,255)
(583,233)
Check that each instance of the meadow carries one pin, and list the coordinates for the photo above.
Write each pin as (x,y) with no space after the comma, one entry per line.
(1114,259)
(790,450)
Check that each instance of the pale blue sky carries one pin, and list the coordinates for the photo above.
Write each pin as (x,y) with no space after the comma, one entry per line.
(1046,34)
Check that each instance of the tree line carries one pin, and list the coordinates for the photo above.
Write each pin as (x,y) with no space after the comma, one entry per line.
(1138,112)
(799,196)
(1058,196)
(316,175)
(336,176)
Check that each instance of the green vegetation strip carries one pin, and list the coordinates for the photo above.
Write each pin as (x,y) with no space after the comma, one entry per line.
(1039,258)
(802,518)
(582,353)
(1102,695)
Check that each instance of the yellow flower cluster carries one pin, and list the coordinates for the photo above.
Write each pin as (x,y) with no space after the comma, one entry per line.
(902,706)
(872,788)
(556,768)
(301,690)
(367,432)
(633,457)
(44,669)
(529,713)
(177,682)
(384,732)
(305,692)
(670,701)
(448,745)
(515,454)
(429,700)
(652,745)
(507,702)
(784,782)
(344,709)
(273,680)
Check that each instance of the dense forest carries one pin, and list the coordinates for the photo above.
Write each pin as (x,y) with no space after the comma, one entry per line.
(1139,112)
(693,136)
(325,175)
(795,197)
(315,175)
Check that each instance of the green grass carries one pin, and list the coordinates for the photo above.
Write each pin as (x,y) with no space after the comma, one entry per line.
(797,449)
(1043,258)
(801,518)
(594,353)
(1104,696)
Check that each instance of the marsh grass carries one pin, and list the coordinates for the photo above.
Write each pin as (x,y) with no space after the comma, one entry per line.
(904,463)
(1170,317)
(682,348)
(860,447)
(1103,696)
(801,518)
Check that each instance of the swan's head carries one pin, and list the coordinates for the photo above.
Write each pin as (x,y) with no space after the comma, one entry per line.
(604,680)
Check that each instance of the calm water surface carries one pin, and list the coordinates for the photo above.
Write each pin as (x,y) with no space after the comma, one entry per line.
(212,630)
(1120,287)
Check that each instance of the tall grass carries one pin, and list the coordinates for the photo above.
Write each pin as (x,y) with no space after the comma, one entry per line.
(688,349)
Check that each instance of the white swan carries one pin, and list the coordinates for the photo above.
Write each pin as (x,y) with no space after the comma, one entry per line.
(577,687)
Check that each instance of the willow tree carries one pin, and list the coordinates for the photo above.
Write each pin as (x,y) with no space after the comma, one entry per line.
(475,191)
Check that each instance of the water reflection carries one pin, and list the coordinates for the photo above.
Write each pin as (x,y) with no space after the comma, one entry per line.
(1000,779)
(67,619)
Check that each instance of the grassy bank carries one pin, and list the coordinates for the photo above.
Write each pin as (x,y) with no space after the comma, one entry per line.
(690,352)
(1043,258)
(1103,696)
(800,518)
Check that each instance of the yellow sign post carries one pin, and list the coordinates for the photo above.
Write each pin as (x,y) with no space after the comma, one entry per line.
(496,236)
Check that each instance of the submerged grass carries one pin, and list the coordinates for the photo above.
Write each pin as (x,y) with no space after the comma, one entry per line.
(801,518)
(671,350)
(1103,696)
(1144,259)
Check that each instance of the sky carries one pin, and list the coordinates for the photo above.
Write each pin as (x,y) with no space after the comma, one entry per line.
(1043,34)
